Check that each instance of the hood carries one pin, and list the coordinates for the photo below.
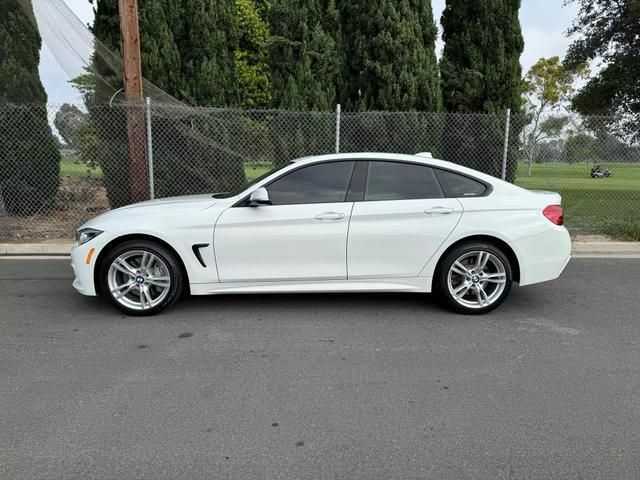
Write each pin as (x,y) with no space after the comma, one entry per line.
(187,202)
(163,207)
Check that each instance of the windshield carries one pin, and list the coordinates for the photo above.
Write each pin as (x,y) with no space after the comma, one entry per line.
(249,183)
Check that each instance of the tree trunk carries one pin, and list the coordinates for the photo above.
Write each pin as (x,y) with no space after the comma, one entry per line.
(3,208)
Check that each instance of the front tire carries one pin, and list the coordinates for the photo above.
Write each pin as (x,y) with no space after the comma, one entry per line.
(141,277)
(474,278)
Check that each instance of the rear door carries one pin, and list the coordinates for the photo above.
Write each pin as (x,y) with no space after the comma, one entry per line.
(400,222)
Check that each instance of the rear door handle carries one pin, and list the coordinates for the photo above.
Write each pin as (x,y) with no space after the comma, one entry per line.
(439,211)
(330,216)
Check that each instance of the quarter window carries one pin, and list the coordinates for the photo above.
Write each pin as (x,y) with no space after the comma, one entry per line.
(401,181)
(320,183)
(461,186)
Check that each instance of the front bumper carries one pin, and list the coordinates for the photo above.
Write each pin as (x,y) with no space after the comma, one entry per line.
(83,261)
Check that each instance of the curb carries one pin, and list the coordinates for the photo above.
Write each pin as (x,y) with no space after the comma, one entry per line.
(33,249)
(605,248)
(63,249)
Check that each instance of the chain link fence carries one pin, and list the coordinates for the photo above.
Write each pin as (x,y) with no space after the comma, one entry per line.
(61,165)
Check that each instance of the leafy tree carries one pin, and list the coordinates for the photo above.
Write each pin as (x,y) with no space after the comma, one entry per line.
(581,147)
(547,87)
(481,73)
(29,159)
(553,150)
(609,31)
(392,63)
(254,74)
(68,121)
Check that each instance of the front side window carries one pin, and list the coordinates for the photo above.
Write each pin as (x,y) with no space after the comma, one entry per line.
(401,181)
(320,183)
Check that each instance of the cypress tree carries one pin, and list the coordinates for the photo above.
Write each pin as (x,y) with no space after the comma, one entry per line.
(159,33)
(209,40)
(29,159)
(306,63)
(481,73)
(391,66)
(391,55)
(304,55)
(481,60)
(188,50)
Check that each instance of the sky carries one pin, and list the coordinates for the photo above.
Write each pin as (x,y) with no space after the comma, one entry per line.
(544,23)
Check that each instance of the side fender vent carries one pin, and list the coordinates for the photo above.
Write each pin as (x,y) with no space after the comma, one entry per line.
(196,251)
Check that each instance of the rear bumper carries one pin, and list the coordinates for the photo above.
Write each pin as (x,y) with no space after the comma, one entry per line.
(543,257)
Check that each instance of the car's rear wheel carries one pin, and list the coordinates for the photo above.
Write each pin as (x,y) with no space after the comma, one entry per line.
(474,278)
(141,277)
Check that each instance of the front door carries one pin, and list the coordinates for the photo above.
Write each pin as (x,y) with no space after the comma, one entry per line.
(302,235)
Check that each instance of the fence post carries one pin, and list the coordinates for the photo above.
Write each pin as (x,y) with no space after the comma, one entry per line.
(150,149)
(506,144)
(338,109)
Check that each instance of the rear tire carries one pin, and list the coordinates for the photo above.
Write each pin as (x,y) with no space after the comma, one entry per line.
(141,277)
(474,278)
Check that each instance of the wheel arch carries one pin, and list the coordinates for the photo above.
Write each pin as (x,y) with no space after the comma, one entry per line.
(501,244)
(126,238)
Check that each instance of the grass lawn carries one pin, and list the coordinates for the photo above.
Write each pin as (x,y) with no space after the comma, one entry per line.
(253,172)
(74,168)
(592,205)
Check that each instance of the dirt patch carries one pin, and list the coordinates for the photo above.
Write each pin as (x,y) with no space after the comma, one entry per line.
(78,200)
(592,238)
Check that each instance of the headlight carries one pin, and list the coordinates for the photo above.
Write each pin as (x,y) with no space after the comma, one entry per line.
(86,234)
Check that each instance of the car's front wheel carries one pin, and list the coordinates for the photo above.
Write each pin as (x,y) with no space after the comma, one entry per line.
(141,277)
(474,278)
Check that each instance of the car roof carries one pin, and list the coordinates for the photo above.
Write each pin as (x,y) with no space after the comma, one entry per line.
(422,158)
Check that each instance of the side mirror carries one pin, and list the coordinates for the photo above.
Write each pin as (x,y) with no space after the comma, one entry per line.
(259,197)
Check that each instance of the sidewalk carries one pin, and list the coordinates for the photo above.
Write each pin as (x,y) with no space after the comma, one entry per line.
(580,248)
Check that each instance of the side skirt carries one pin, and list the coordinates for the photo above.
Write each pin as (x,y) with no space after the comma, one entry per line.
(416,284)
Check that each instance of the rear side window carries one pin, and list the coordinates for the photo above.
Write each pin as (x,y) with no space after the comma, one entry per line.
(460,186)
(401,181)
(320,183)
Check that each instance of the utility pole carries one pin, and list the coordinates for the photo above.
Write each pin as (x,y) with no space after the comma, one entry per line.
(132,74)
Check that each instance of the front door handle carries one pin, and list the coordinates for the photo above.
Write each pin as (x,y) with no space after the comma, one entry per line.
(330,216)
(439,211)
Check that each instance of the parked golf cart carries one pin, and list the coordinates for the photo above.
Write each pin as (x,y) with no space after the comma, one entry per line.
(600,172)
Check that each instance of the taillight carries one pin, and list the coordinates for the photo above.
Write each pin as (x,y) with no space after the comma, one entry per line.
(554,214)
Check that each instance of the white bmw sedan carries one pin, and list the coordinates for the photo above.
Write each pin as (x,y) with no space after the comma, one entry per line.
(335,223)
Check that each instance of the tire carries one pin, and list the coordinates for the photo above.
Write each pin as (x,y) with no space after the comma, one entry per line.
(479,290)
(141,277)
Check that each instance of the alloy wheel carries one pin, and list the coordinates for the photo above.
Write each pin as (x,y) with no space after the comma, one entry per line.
(139,280)
(477,279)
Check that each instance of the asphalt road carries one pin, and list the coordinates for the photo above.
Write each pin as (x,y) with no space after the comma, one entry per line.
(347,386)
